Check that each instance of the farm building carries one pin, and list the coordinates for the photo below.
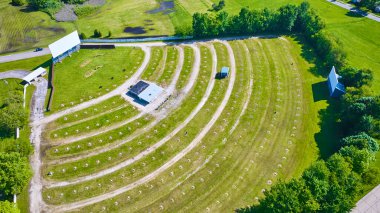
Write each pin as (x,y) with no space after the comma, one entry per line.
(336,89)
(65,47)
(146,92)
(224,72)
(33,75)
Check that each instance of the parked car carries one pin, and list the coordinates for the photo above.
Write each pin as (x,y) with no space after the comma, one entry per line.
(38,49)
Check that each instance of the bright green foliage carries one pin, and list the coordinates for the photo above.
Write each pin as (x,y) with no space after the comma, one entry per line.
(287,17)
(353,77)
(286,197)
(361,141)
(12,113)
(317,179)
(8,207)
(360,159)
(15,173)
(344,185)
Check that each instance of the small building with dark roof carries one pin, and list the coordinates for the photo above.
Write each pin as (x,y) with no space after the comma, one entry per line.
(138,88)
(146,92)
(336,89)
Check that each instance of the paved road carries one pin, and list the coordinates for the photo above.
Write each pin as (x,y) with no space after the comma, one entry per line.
(20,74)
(23,55)
(369,203)
(354,9)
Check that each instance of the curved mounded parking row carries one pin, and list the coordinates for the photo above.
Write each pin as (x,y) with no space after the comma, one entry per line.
(239,136)
(196,93)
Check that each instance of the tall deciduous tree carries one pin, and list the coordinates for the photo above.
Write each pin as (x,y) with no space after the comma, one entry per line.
(8,207)
(15,173)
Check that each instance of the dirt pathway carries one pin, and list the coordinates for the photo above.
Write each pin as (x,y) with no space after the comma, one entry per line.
(175,159)
(37,113)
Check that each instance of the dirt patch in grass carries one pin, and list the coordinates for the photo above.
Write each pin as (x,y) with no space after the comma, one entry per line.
(89,73)
(135,30)
(85,63)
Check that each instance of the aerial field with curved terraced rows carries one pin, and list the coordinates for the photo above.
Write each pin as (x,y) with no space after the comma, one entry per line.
(205,144)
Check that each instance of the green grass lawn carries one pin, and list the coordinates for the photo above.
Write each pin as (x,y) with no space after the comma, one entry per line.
(26,64)
(91,73)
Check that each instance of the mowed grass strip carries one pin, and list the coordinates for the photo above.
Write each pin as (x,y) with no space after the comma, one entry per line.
(246,155)
(157,61)
(188,189)
(105,106)
(141,167)
(233,165)
(259,163)
(26,64)
(91,73)
(92,143)
(97,123)
(170,66)
(187,68)
(165,188)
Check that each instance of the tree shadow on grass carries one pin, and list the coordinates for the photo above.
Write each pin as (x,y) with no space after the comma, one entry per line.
(46,64)
(308,53)
(320,91)
(329,136)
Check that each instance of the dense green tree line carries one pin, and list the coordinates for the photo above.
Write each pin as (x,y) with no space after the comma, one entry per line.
(287,19)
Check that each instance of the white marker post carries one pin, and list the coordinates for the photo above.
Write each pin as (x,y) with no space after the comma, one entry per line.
(25,86)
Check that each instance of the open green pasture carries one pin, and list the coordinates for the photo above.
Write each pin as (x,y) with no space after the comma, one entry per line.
(91,73)
(164,127)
